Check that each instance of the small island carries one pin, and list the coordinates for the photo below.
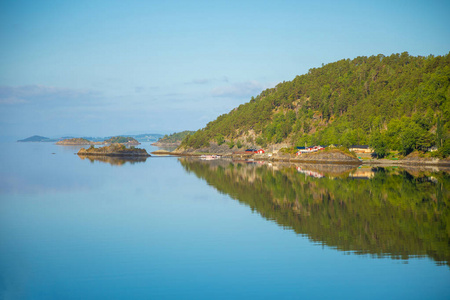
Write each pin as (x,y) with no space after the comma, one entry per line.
(114,150)
(36,138)
(122,140)
(77,141)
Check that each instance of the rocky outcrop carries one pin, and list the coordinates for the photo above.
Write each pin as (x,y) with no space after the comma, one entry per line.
(330,156)
(113,150)
(417,158)
(163,144)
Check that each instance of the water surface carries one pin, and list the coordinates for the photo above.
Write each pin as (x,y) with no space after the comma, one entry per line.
(171,228)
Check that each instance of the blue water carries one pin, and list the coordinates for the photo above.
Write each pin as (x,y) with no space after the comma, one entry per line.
(75,229)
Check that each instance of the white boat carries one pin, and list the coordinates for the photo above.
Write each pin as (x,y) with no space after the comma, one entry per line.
(209,157)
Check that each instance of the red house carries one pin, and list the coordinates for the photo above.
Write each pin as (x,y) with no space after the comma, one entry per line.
(260,151)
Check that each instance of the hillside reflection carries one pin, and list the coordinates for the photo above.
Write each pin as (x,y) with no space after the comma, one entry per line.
(114,160)
(394,212)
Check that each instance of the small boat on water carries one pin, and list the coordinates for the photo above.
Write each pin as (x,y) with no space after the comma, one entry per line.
(209,157)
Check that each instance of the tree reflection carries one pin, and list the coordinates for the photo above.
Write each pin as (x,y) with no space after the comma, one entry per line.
(114,160)
(400,213)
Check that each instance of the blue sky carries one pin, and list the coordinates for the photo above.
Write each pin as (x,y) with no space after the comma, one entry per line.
(98,68)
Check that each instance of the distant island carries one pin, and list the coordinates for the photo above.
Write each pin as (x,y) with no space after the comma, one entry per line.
(122,140)
(37,138)
(172,140)
(113,150)
(77,141)
(71,140)
(112,140)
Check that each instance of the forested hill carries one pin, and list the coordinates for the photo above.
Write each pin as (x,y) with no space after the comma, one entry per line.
(401,102)
(175,137)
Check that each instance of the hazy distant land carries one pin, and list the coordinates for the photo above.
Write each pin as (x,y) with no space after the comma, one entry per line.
(134,139)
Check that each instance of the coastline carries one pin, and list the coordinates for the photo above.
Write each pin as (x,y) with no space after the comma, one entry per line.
(316,158)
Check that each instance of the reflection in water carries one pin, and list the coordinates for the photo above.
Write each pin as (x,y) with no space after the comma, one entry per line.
(114,160)
(380,211)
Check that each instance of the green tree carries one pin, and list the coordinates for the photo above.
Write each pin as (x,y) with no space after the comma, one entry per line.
(439,132)
(220,139)
(408,139)
(379,145)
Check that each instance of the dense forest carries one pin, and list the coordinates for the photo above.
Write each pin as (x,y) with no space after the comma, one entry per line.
(398,102)
(175,137)
(394,213)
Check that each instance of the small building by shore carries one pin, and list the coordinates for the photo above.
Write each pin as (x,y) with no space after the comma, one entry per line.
(360,149)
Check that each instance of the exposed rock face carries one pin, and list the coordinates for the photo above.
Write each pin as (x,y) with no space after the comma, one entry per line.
(415,158)
(163,144)
(113,150)
(335,156)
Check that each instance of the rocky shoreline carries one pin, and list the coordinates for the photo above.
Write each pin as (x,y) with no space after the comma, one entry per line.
(114,150)
(321,157)
(168,145)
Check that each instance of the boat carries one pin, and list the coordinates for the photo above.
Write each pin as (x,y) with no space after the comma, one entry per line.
(209,157)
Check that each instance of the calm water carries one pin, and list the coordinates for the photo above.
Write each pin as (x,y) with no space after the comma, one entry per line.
(169,228)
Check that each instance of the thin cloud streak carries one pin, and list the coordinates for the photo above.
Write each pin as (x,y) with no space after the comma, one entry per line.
(36,93)
(203,81)
(240,89)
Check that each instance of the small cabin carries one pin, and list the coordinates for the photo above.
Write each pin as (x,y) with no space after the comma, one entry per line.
(309,149)
(360,149)
(260,151)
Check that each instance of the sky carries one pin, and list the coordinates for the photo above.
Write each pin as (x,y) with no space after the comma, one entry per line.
(102,68)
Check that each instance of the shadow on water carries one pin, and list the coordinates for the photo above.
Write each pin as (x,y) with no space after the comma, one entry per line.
(384,212)
(114,160)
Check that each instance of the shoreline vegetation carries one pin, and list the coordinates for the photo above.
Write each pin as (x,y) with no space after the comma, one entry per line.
(114,150)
